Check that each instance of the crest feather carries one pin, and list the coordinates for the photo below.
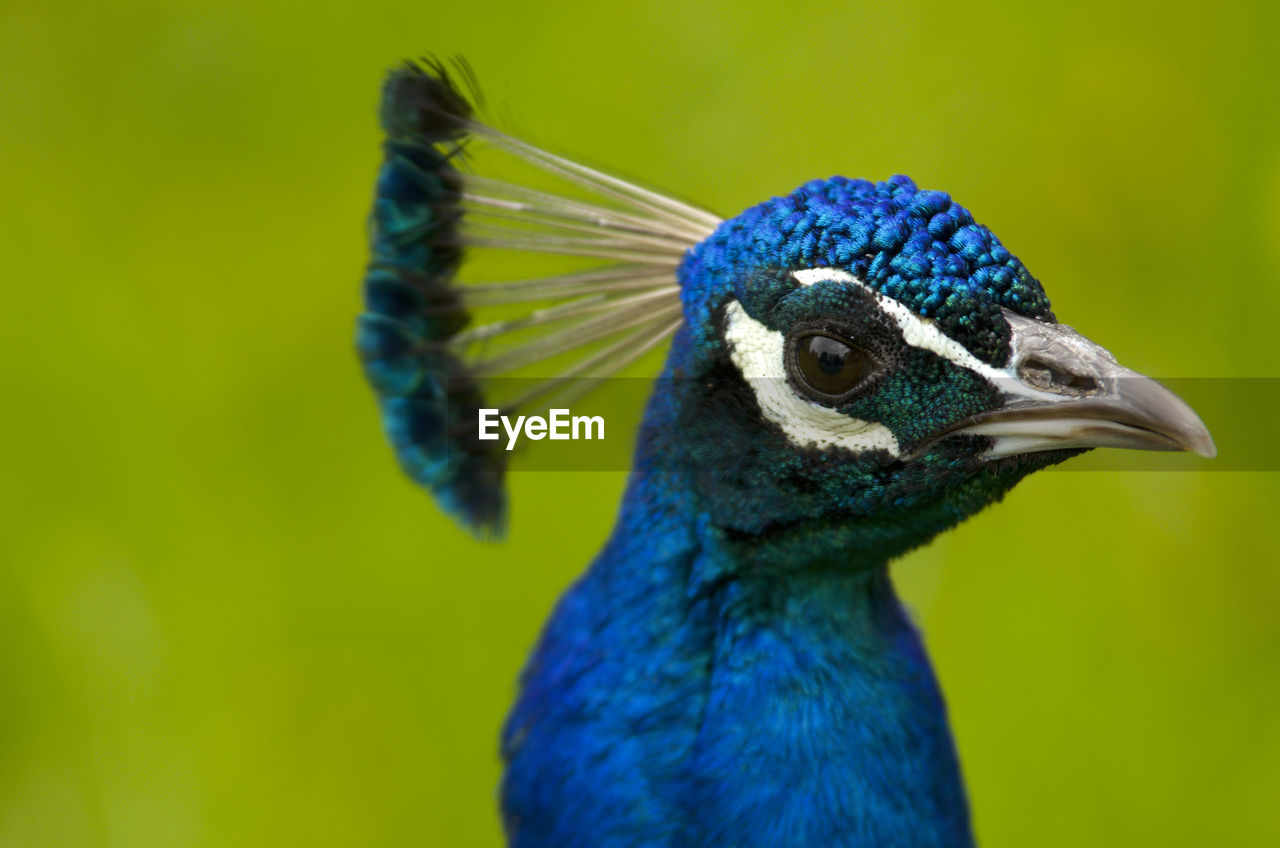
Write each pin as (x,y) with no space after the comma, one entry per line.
(428,349)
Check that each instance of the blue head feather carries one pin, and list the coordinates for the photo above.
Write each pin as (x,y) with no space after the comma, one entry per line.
(918,247)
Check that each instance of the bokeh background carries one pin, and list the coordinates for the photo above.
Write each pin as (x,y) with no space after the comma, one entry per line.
(226,619)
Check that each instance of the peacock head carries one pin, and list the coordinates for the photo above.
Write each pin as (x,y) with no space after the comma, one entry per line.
(883,362)
(857,357)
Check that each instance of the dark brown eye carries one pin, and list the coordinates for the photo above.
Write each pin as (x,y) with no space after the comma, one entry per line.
(830,366)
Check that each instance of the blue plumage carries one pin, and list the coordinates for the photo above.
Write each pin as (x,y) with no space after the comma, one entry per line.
(917,247)
(696,688)
(854,368)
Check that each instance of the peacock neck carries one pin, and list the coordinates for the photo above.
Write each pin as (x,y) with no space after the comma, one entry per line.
(820,720)
(824,701)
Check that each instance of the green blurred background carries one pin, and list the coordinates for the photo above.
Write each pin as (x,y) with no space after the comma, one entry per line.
(225,618)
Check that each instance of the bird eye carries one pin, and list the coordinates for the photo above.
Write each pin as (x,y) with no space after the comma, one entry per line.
(829,366)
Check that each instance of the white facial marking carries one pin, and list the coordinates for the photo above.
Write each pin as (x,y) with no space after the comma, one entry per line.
(759,352)
(924,334)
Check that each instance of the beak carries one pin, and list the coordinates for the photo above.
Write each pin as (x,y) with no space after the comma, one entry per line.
(1063,391)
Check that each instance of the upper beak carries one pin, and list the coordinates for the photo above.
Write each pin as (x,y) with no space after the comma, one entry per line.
(1063,391)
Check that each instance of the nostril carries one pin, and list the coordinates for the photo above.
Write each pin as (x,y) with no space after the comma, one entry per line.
(1051,378)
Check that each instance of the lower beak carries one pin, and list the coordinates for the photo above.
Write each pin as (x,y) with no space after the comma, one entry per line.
(1062,391)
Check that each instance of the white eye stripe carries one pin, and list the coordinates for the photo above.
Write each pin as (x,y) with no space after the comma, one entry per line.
(924,334)
(916,331)
(759,354)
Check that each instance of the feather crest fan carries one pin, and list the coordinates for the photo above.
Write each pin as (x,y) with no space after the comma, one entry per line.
(429,355)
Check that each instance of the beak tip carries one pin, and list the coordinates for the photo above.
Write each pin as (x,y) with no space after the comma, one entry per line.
(1204,445)
(1123,410)
(1192,434)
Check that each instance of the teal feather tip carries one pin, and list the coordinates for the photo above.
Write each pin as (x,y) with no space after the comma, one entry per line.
(412,310)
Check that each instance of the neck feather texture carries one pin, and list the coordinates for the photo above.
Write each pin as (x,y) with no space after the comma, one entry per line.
(678,699)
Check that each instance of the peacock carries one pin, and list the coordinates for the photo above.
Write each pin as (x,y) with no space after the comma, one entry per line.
(853,368)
